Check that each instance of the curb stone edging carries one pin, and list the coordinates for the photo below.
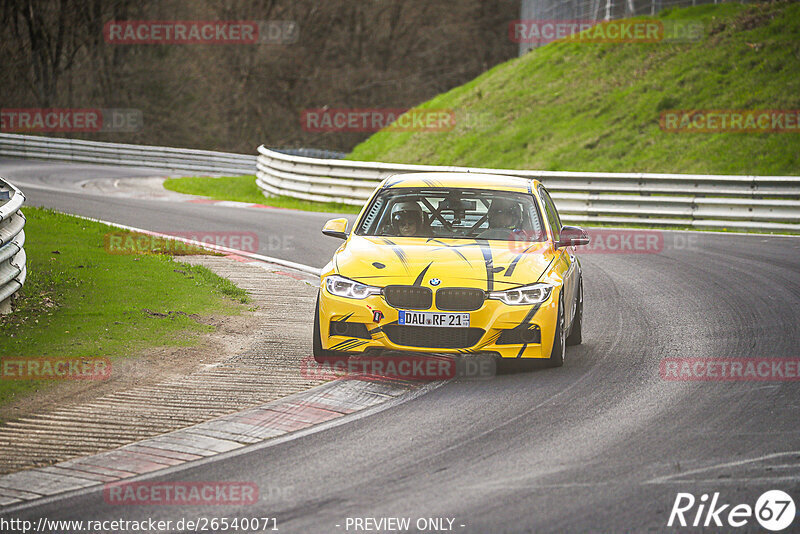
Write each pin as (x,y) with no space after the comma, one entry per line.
(300,411)
(281,417)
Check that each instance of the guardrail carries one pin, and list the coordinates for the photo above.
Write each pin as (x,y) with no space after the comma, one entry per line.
(764,203)
(312,153)
(12,239)
(175,159)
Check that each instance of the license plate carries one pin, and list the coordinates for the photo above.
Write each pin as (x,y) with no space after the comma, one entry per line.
(446,320)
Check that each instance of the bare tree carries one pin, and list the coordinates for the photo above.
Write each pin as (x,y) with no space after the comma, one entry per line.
(350,54)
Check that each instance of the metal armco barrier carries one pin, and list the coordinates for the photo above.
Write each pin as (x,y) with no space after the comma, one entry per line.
(312,153)
(12,240)
(176,159)
(761,203)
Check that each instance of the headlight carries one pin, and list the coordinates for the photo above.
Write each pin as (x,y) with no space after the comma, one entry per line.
(344,287)
(532,294)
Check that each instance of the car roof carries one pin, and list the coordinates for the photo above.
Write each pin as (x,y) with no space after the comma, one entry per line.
(463,180)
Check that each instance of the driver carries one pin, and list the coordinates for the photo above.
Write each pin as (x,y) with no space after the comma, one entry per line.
(505,219)
(407,219)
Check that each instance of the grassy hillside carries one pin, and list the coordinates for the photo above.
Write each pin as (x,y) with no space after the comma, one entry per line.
(81,301)
(596,107)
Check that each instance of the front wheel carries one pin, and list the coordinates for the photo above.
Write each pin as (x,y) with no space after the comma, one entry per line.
(575,336)
(559,342)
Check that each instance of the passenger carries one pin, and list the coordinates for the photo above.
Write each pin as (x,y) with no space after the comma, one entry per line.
(505,219)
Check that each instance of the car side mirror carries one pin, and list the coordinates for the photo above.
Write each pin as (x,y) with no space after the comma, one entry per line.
(336,228)
(572,236)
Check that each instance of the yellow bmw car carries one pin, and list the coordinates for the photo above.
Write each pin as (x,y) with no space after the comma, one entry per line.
(453,263)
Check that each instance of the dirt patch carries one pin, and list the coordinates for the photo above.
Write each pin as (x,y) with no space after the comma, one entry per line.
(248,360)
(150,367)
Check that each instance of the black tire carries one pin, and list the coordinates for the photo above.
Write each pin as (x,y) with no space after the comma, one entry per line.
(575,336)
(559,343)
(321,355)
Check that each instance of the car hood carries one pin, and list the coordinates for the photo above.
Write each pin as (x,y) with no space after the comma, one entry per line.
(489,265)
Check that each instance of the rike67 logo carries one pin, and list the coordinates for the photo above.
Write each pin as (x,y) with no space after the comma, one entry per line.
(774,511)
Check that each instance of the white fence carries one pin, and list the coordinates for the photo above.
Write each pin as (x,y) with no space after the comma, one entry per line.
(764,203)
(12,240)
(176,159)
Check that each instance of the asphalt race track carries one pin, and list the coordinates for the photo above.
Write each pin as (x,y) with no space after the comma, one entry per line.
(603,444)
(59,186)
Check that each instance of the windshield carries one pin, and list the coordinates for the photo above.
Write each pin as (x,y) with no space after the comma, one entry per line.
(452,213)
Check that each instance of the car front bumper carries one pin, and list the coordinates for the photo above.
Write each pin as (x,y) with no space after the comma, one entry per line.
(509,331)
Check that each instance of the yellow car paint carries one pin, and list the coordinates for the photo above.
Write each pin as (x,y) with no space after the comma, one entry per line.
(437,263)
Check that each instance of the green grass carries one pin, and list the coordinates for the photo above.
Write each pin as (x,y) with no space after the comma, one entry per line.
(244,189)
(596,107)
(80,301)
